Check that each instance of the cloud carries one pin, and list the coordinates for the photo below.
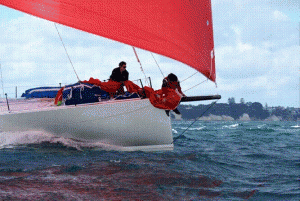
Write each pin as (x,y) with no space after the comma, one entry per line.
(280,16)
(257,51)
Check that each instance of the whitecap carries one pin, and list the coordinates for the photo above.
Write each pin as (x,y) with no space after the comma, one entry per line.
(200,128)
(260,126)
(231,126)
(183,128)
(234,125)
(296,126)
(11,139)
(174,131)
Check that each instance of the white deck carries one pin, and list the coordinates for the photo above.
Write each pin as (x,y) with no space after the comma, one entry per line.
(22,105)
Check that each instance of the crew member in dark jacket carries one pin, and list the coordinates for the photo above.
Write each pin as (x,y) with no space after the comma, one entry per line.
(120,74)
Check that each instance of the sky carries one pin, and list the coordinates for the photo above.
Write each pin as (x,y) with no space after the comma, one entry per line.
(257,51)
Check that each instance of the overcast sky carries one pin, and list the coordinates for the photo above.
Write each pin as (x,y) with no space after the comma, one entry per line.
(256,47)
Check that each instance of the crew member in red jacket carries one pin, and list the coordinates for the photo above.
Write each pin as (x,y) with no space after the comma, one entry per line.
(172,82)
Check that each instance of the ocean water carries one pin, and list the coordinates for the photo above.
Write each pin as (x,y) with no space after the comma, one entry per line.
(211,161)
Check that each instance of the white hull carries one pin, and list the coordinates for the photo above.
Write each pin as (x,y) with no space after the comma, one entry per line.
(132,123)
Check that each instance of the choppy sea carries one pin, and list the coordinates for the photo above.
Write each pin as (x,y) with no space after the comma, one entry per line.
(211,161)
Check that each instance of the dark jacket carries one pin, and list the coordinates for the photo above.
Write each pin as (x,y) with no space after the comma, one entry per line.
(116,75)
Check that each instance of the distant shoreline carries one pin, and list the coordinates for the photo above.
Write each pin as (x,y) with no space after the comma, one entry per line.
(237,112)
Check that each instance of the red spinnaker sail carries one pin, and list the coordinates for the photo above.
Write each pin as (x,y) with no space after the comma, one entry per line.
(179,29)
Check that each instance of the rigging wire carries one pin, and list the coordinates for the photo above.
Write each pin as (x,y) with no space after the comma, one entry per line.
(212,104)
(140,65)
(299,69)
(188,77)
(66,52)
(2,80)
(196,85)
(157,65)
(212,57)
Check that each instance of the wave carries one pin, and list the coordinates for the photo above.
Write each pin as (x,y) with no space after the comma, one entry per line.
(39,139)
(199,128)
(263,129)
(296,126)
(181,137)
(11,139)
(204,128)
(231,126)
(260,126)
(258,156)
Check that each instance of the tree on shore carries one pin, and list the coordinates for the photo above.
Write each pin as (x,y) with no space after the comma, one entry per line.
(255,110)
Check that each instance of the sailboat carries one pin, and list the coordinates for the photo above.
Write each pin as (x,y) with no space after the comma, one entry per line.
(181,30)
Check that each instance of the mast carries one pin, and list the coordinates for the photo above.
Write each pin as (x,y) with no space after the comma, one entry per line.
(1,79)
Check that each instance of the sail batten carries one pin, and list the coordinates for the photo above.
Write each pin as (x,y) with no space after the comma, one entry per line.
(181,30)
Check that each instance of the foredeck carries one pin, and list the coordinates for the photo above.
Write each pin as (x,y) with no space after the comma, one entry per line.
(17,105)
(27,105)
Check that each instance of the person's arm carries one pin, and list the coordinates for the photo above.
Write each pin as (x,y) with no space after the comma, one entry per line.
(179,89)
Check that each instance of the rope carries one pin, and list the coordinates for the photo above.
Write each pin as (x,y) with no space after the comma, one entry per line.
(140,65)
(194,121)
(66,52)
(157,65)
